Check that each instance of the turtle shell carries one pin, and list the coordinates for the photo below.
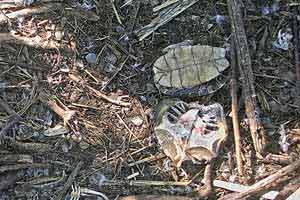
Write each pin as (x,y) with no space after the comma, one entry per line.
(190,70)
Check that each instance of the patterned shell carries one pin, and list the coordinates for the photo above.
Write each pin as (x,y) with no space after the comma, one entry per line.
(189,66)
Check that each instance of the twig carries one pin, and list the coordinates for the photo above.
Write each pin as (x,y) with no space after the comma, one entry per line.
(15,117)
(289,189)
(33,11)
(244,62)
(116,12)
(145,183)
(295,12)
(117,101)
(166,14)
(69,182)
(156,197)
(295,195)
(69,116)
(115,74)
(16,158)
(33,147)
(234,110)
(148,160)
(4,18)
(205,191)
(278,159)
(32,66)
(267,183)
(35,42)
(6,107)
(6,168)
(20,3)
(241,188)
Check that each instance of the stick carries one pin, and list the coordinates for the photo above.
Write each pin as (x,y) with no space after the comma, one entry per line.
(234,111)
(245,67)
(33,11)
(156,197)
(19,3)
(35,42)
(295,12)
(69,116)
(15,118)
(295,195)
(116,12)
(289,190)
(117,101)
(69,182)
(241,188)
(6,107)
(267,183)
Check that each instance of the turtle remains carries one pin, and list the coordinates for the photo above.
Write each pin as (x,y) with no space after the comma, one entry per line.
(190,70)
(191,132)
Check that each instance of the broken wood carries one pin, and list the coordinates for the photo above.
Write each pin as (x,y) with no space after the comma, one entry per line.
(245,67)
(241,188)
(295,195)
(267,183)
(234,111)
(70,181)
(289,190)
(69,116)
(168,11)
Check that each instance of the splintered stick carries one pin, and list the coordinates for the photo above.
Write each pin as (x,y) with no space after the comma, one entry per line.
(245,67)
(234,112)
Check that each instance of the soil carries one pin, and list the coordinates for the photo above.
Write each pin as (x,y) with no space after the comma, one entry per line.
(40,148)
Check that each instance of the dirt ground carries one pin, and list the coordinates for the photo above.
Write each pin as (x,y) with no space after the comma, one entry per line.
(64,114)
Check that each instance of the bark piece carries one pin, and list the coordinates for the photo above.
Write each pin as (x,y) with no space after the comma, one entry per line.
(245,68)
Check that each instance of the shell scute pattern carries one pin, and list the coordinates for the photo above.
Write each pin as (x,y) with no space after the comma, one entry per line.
(183,68)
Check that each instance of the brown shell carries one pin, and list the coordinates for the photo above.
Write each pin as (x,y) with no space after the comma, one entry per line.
(189,66)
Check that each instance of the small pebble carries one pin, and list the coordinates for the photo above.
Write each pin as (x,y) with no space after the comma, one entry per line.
(219,19)
(137,121)
(91,58)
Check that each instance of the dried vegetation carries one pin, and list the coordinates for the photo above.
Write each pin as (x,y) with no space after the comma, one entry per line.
(77,98)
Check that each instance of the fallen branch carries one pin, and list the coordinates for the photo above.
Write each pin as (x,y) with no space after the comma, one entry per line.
(267,183)
(295,195)
(245,67)
(289,190)
(234,187)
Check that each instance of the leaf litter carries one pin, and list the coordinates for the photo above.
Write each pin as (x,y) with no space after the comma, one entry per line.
(77,97)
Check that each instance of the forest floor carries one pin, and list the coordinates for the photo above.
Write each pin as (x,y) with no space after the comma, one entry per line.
(77,97)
